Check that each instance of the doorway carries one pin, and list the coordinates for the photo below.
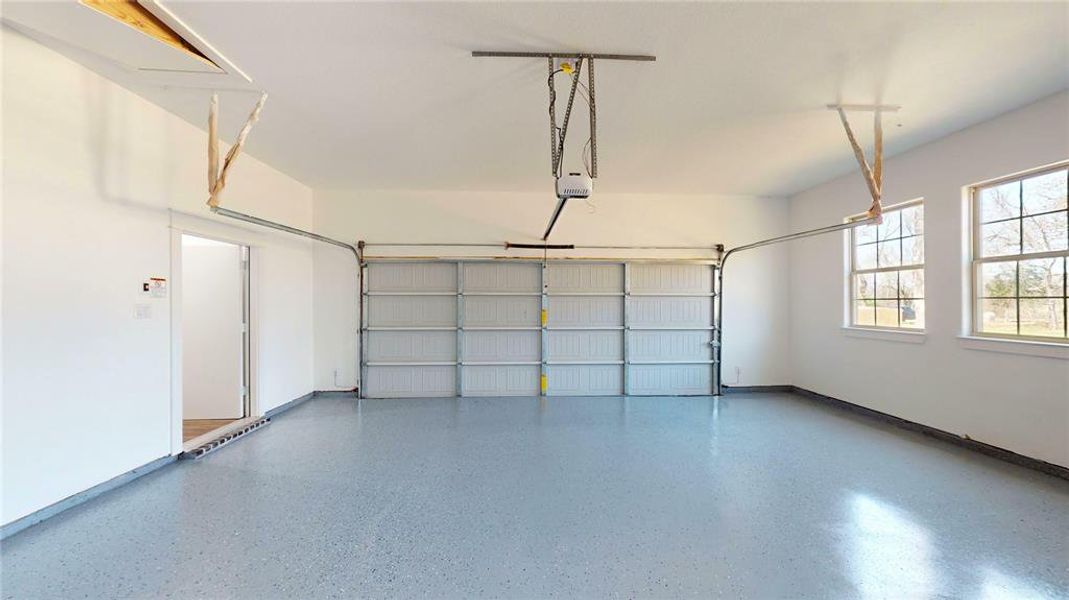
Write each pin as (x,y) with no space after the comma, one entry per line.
(215,335)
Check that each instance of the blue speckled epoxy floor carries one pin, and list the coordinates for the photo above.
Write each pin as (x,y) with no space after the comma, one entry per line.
(756,496)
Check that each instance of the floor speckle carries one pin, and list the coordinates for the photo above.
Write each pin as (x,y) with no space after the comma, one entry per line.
(753,496)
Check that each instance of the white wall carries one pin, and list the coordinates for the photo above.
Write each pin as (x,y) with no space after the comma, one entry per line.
(212,333)
(1013,401)
(757,302)
(94,180)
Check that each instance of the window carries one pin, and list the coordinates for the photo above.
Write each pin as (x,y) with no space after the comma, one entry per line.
(887,270)
(1020,248)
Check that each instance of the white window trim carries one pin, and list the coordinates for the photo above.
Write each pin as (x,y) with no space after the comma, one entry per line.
(887,334)
(975,339)
(872,331)
(1026,347)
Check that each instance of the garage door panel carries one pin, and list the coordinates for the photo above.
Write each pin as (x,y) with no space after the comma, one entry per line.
(584,278)
(501,346)
(585,380)
(412,311)
(511,380)
(649,278)
(668,311)
(585,345)
(502,311)
(502,277)
(411,382)
(411,346)
(661,380)
(586,311)
(679,346)
(436,277)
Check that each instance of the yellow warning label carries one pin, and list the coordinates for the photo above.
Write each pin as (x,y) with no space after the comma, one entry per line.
(544,386)
(543,317)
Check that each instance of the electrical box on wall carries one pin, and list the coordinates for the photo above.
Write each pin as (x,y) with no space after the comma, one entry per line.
(155,287)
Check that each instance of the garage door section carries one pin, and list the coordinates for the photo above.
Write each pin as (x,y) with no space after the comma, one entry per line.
(584,329)
(500,322)
(669,329)
(411,316)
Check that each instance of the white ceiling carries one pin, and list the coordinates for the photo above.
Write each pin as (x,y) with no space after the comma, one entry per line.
(386,95)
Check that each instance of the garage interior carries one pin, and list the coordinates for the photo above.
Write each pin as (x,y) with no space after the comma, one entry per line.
(300,301)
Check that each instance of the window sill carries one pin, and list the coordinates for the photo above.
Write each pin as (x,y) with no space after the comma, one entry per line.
(1025,347)
(887,335)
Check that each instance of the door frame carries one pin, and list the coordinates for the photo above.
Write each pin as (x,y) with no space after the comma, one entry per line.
(249,343)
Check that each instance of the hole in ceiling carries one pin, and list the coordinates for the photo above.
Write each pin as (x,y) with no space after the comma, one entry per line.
(132,14)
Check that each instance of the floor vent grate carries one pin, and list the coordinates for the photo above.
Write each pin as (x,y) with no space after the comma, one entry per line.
(212,446)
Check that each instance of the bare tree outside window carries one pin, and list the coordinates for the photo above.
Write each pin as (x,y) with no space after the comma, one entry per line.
(1020,254)
(887,270)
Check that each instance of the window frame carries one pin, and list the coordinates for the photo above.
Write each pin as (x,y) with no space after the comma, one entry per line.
(853,271)
(976,260)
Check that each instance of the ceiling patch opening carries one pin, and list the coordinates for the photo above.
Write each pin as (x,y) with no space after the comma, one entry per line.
(132,14)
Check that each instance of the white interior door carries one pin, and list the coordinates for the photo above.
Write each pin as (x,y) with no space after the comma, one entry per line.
(213,342)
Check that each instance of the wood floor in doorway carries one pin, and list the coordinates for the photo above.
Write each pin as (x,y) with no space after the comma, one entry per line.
(196,427)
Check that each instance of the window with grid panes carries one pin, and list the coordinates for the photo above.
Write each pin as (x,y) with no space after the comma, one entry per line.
(1020,249)
(887,270)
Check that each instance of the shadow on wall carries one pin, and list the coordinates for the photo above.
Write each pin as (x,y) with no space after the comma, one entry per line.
(110,146)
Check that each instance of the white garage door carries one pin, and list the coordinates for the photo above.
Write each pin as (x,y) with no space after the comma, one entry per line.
(606,329)
(500,342)
(670,333)
(411,337)
(584,329)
